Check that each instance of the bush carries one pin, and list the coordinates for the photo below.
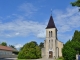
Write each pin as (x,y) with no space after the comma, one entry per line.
(30,51)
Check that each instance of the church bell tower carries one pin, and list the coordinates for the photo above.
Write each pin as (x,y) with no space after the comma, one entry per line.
(51,37)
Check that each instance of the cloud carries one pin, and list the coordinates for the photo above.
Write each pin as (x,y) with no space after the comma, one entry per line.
(21,28)
(64,37)
(18,46)
(28,9)
(19,25)
(67,20)
(42,34)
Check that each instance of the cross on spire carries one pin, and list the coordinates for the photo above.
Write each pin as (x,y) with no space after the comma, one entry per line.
(51,11)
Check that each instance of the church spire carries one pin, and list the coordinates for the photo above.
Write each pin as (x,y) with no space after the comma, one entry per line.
(51,23)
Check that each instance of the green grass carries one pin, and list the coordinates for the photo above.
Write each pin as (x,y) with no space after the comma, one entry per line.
(59,59)
(26,59)
(23,59)
(34,59)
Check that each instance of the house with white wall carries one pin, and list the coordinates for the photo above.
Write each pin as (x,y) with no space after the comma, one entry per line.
(6,52)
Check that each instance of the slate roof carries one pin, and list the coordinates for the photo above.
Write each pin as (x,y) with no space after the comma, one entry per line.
(51,23)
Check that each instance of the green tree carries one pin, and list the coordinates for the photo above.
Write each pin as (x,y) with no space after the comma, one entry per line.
(41,45)
(76,36)
(15,51)
(12,46)
(4,43)
(72,47)
(68,52)
(30,50)
(76,3)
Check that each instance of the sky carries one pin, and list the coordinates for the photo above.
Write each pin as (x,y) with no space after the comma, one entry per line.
(22,21)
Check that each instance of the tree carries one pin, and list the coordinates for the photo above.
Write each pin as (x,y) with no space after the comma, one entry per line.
(30,50)
(15,51)
(4,43)
(76,36)
(41,45)
(68,52)
(76,3)
(12,46)
(72,47)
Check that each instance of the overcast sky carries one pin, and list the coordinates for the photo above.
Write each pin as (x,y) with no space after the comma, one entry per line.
(22,21)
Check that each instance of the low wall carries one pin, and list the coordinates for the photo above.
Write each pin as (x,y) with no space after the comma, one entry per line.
(8,56)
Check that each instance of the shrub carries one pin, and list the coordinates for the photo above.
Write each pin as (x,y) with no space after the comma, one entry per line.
(30,51)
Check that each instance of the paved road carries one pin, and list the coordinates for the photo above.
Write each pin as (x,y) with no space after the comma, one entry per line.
(31,59)
(8,59)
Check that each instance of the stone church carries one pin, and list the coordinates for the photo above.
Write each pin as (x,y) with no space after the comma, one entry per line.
(52,46)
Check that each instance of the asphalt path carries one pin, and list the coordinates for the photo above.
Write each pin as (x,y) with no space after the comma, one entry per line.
(8,59)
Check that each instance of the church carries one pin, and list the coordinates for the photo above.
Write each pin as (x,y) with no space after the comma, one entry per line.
(52,46)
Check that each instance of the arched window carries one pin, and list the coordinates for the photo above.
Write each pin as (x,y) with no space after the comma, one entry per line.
(51,33)
(49,43)
(57,52)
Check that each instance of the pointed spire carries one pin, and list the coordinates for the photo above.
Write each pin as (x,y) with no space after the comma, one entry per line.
(51,23)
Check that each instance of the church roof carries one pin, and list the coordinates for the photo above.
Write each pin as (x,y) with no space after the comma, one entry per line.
(51,23)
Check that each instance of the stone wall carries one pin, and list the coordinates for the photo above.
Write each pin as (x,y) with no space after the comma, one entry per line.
(60,46)
(43,52)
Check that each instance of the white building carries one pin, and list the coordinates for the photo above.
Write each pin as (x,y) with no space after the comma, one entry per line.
(6,52)
(52,46)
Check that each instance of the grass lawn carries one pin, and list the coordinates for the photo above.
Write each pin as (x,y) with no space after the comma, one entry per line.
(59,59)
(34,59)
(23,59)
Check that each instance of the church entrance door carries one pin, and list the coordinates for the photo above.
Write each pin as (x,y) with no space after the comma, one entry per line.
(50,54)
